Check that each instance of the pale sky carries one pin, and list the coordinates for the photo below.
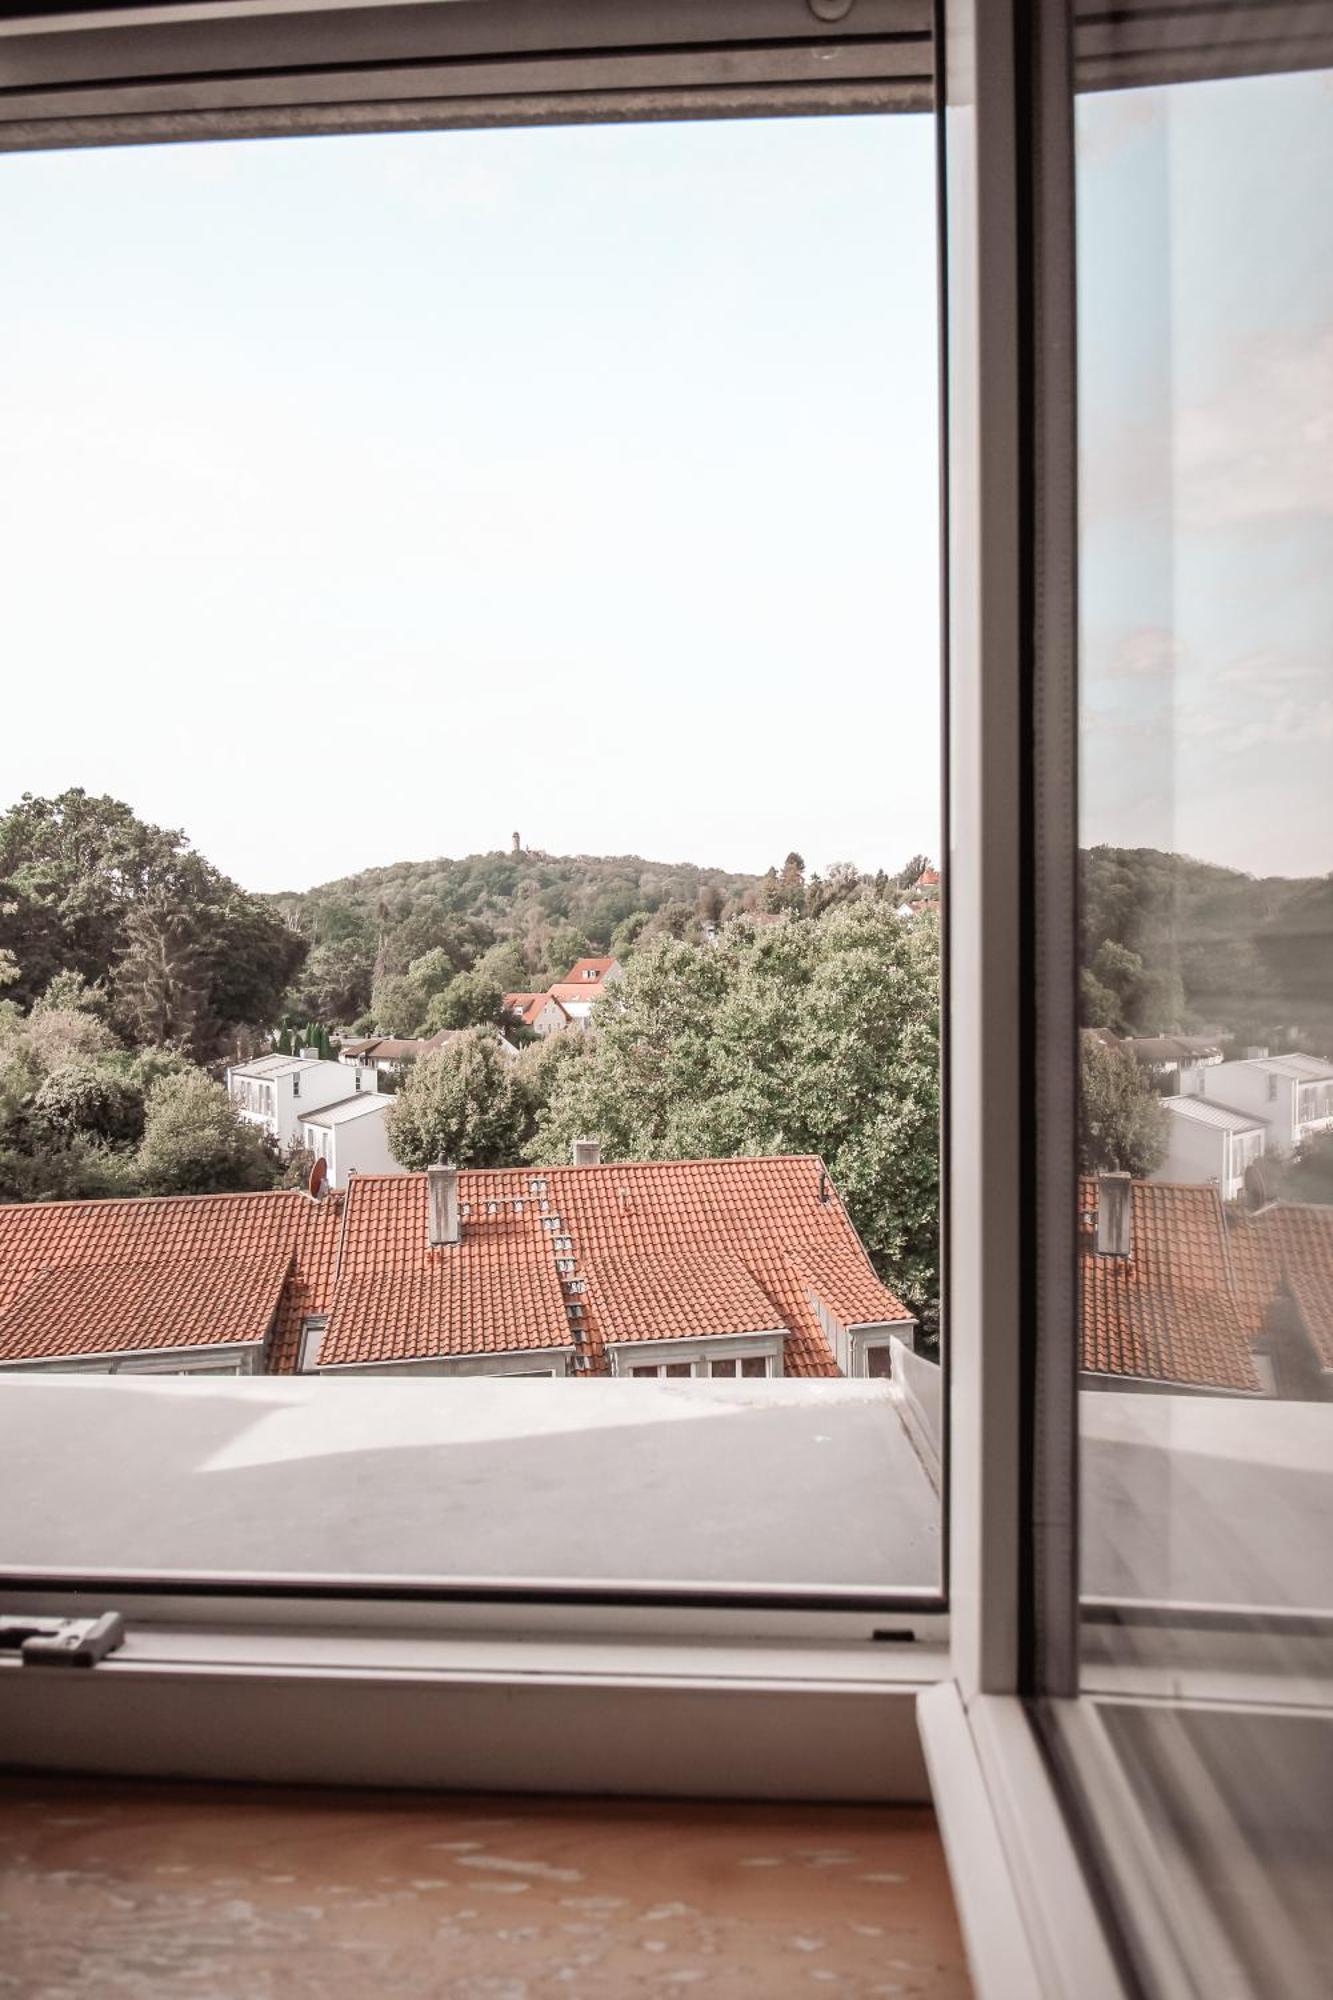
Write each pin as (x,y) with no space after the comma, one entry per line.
(1206,350)
(366,499)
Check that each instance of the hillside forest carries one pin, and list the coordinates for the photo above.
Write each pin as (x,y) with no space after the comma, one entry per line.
(790,1011)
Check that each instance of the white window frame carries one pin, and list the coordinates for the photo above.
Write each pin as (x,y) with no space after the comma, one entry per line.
(791,1701)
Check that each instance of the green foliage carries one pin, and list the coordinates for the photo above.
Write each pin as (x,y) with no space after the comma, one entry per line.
(813,1036)
(470,1001)
(1306,1177)
(334,983)
(1180,944)
(89,1099)
(1122,1127)
(396,1006)
(88,891)
(194,1142)
(462,1104)
(555,907)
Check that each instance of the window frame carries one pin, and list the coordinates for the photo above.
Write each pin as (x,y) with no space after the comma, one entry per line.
(138,79)
(796,1694)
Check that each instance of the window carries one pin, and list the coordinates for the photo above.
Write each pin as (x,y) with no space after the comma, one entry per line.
(1205,299)
(750,1367)
(879,1360)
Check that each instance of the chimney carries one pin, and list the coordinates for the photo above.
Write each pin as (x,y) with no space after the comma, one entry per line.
(311,1055)
(587,1152)
(442,1224)
(1114,1223)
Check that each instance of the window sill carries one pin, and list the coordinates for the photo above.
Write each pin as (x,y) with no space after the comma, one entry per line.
(494,1712)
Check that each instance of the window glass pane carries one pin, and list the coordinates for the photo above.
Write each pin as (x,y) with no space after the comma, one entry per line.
(395,437)
(1205,1241)
(879,1362)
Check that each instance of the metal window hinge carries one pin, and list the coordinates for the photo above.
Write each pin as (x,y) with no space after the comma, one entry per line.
(62,1642)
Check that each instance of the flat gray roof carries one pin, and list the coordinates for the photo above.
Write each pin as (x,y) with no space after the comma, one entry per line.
(347,1108)
(1205,1112)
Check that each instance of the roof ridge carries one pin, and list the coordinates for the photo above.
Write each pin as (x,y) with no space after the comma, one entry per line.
(141,1200)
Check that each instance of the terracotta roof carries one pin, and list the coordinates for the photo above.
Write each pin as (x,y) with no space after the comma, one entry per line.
(1287,1248)
(758,1224)
(131,1265)
(649,1298)
(553,1257)
(1170,1311)
(495,1293)
(528,1006)
(99,1309)
(586,970)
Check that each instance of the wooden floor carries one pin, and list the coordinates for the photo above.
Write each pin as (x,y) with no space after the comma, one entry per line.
(235,1894)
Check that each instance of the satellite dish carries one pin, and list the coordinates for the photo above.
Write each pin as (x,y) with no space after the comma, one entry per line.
(319,1173)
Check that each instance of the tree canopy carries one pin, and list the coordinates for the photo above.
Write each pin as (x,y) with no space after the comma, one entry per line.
(88,889)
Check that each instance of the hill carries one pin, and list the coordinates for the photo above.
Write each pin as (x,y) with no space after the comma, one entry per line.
(1171,943)
(522,917)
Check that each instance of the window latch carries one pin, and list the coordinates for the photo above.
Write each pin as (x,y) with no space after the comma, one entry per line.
(62,1642)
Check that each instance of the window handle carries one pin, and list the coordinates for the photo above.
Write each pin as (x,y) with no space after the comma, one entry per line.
(62,1642)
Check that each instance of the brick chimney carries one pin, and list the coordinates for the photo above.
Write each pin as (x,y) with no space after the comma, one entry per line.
(442,1223)
(587,1152)
(1115,1229)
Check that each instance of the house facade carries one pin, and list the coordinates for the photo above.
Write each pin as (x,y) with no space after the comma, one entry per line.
(1209,1143)
(1291,1094)
(583,985)
(541,1013)
(352,1136)
(275,1092)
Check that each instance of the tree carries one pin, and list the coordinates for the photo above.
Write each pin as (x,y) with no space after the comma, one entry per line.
(73,869)
(56,1035)
(791,883)
(334,983)
(396,1005)
(89,1099)
(195,1143)
(1122,1126)
(463,1104)
(472,1000)
(818,1036)
(162,977)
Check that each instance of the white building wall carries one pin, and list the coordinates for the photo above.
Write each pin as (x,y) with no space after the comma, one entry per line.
(363,1144)
(1196,1152)
(1266,1096)
(321,1083)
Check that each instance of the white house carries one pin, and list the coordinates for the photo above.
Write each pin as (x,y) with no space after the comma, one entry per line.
(276,1091)
(584,983)
(381,1061)
(352,1134)
(1207,1142)
(541,1012)
(1291,1094)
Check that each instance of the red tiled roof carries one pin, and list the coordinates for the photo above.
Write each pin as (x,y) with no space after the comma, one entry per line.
(636,1252)
(585,970)
(132,1263)
(750,1216)
(1170,1311)
(1287,1248)
(651,1298)
(98,1309)
(494,1294)
(528,1006)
